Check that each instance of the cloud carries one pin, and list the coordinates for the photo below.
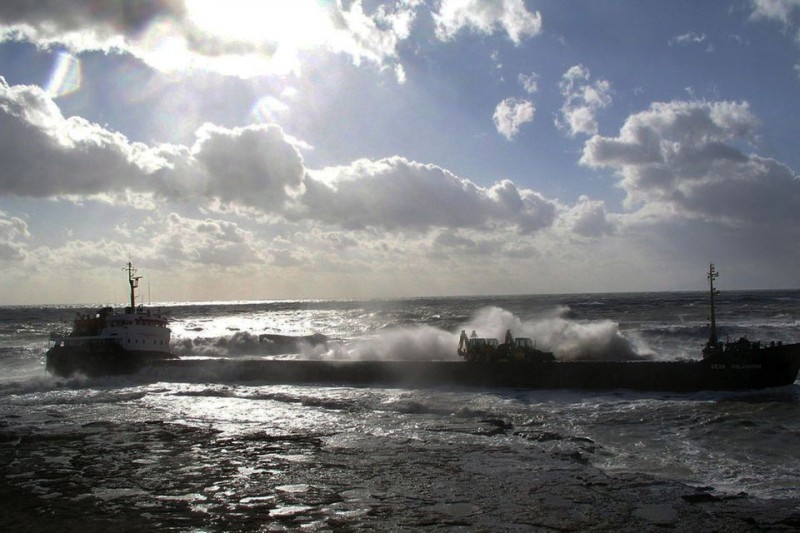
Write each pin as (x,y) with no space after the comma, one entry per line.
(250,38)
(681,159)
(255,166)
(511,114)
(691,39)
(687,39)
(13,233)
(396,194)
(240,37)
(780,10)
(57,19)
(529,82)
(46,154)
(259,167)
(588,218)
(374,38)
(487,16)
(785,12)
(582,100)
(206,242)
(454,240)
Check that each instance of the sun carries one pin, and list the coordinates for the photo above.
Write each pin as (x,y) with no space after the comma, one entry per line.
(291,25)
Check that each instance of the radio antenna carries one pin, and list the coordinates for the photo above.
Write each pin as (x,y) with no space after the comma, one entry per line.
(133,280)
(712,275)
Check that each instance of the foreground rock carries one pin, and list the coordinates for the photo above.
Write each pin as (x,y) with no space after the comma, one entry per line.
(155,475)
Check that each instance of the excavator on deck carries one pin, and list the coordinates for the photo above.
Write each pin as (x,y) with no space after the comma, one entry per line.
(487,350)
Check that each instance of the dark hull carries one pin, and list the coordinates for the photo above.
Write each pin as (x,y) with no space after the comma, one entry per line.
(99,359)
(771,367)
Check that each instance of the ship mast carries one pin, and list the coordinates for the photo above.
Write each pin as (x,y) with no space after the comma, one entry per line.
(133,280)
(712,275)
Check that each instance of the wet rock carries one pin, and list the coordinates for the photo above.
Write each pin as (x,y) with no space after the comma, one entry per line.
(539,436)
(660,514)
(153,475)
(499,423)
(499,427)
(575,456)
(702,497)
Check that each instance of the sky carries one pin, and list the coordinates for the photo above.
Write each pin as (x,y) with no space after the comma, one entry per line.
(254,150)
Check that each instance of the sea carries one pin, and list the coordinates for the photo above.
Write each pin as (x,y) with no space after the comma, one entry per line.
(140,452)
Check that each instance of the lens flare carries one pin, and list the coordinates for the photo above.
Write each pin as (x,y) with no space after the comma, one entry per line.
(267,109)
(66,75)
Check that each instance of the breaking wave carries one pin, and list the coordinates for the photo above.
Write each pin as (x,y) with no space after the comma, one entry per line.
(598,340)
(244,343)
(556,330)
(417,343)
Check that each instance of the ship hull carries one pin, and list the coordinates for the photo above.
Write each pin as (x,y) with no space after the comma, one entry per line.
(773,367)
(99,359)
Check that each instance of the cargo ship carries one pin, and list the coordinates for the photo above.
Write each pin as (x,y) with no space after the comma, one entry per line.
(741,364)
(517,363)
(111,342)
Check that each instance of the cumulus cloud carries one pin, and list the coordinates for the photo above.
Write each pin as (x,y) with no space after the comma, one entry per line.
(588,218)
(46,154)
(396,193)
(374,37)
(582,100)
(207,242)
(681,159)
(13,234)
(255,166)
(511,114)
(259,167)
(487,16)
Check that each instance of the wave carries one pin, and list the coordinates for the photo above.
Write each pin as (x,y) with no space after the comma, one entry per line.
(569,339)
(391,342)
(417,343)
(244,343)
(555,329)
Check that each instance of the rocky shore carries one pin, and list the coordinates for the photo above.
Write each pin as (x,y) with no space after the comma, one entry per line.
(154,475)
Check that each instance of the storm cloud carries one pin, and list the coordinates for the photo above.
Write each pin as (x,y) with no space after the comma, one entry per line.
(52,19)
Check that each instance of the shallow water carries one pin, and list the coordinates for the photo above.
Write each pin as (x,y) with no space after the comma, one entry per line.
(200,455)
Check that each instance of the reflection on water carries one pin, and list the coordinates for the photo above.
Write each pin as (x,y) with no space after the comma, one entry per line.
(144,453)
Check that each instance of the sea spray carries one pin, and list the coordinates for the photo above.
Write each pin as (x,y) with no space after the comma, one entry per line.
(555,330)
(246,344)
(569,339)
(417,343)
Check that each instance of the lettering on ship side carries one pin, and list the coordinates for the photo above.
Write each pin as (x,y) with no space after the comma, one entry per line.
(736,366)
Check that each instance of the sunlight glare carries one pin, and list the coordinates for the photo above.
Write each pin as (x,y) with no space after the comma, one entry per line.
(297,24)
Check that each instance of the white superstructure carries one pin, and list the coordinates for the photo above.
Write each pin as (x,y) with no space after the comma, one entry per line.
(136,329)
